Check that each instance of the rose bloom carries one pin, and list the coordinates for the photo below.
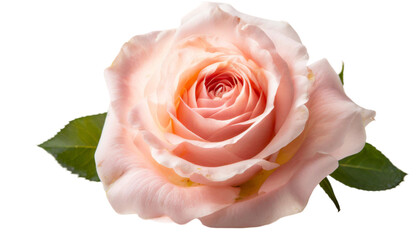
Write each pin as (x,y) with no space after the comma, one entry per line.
(222,120)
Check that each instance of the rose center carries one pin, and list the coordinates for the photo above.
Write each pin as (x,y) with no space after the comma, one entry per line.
(220,83)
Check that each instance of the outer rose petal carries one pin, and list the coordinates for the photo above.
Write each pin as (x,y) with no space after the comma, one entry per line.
(284,37)
(288,189)
(272,28)
(227,175)
(132,70)
(135,185)
(336,125)
(287,199)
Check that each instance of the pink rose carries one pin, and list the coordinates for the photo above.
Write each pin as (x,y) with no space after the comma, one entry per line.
(222,120)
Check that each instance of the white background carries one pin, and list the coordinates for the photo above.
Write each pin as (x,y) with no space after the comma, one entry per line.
(52,56)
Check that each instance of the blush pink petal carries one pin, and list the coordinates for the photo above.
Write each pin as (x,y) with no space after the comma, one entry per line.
(259,107)
(244,146)
(226,175)
(195,122)
(203,127)
(293,118)
(131,71)
(134,185)
(212,157)
(285,38)
(292,93)
(285,200)
(272,28)
(244,103)
(180,130)
(237,179)
(230,130)
(256,138)
(329,109)
(237,108)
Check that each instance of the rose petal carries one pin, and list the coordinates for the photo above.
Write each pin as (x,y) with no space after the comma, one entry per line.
(269,26)
(336,124)
(225,175)
(285,38)
(203,127)
(135,185)
(329,109)
(285,199)
(136,61)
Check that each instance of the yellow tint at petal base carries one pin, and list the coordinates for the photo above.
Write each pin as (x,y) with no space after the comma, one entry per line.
(286,153)
(174,178)
(311,76)
(181,181)
(187,79)
(251,187)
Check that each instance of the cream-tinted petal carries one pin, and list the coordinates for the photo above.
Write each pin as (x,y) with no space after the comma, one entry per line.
(133,68)
(134,183)
(225,175)
(336,124)
(278,201)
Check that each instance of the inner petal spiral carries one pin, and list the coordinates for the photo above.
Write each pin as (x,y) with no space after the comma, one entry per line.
(222,102)
(217,84)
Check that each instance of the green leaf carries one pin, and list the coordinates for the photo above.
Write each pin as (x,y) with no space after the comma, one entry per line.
(368,170)
(326,185)
(75,145)
(341,74)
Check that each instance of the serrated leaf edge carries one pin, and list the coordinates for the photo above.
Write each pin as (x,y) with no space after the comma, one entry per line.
(63,165)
